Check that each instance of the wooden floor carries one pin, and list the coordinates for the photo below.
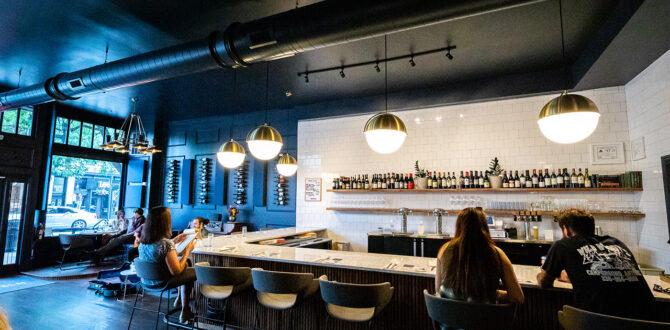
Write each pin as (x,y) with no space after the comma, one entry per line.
(67,304)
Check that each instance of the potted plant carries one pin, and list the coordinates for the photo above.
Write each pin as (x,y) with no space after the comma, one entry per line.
(494,172)
(421,181)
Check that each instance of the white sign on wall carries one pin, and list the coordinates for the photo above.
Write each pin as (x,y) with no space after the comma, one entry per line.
(312,189)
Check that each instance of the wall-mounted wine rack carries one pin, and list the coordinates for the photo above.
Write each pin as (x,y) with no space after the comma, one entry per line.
(204,175)
(172,181)
(240,184)
(281,190)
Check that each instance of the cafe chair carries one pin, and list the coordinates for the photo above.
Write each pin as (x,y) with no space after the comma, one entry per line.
(457,314)
(571,318)
(220,284)
(283,290)
(156,272)
(354,302)
(71,243)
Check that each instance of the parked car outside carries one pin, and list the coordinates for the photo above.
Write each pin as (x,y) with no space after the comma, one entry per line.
(59,217)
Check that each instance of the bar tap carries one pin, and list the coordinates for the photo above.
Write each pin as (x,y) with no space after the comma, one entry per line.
(403,211)
(438,212)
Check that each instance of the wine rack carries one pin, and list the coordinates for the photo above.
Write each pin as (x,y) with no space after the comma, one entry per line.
(281,191)
(204,170)
(172,181)
(240,184)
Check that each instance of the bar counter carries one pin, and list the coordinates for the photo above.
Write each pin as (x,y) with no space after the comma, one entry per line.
(409,275)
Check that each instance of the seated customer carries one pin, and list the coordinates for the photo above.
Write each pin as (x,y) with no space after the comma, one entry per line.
(128,237)
(199,223)
(157,247)
(470,267)
(604,274)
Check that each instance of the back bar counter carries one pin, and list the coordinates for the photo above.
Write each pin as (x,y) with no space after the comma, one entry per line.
(410,276)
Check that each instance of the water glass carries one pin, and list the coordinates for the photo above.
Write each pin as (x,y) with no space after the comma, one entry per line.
(244,231)
(210,237)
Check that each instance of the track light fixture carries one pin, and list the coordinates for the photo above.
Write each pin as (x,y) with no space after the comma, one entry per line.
(342,72)
(307,77)
(411,61)
(377,67)
(449,56)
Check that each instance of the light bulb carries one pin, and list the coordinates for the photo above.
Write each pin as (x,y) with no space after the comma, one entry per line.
(569,127)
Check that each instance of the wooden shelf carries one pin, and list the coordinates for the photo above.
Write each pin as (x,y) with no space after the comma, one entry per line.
(486,190)
(492,212)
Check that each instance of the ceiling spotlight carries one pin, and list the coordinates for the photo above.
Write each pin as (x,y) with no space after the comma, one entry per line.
(449,56)
(289,94)
(377,67)
(306,78)
(411,61)
(342,73)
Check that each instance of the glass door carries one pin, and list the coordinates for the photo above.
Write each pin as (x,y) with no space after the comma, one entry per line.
(12,212)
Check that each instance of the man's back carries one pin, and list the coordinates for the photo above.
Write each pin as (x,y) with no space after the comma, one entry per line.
(604,274)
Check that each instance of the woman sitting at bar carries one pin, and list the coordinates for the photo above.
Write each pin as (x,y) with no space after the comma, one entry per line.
(157,247)
(470,267)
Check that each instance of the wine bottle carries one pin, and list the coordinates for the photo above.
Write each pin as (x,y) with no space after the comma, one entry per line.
(454,181)
(566,178)
(547,179)
(383,182)
(367,182)
(487,183)
(555,179)
(587,179)
(535,180)
(481,180)
(529,180)
(580,179)
(573,180)
(505,180)
(435,184)
(540,180)
(522,180)
(517,180)
(447,181)
(466,181)
(410,184)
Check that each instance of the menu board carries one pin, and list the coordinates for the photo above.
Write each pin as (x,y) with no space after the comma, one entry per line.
(312,189)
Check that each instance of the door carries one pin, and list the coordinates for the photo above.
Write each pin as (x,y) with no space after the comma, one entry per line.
(12,215)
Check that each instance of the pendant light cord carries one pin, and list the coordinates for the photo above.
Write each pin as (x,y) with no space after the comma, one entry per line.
(565,78)
(230,130)
(386,75)
(267,90)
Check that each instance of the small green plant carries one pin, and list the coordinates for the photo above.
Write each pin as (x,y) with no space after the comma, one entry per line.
(418,172)
(494,167)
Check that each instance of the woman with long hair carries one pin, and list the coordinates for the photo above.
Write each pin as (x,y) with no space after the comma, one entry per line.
(470,267)
(157,247)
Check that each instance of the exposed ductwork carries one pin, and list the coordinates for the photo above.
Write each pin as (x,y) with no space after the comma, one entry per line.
(311,27)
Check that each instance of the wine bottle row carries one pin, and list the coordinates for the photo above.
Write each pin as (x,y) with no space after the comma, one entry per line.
(469,180)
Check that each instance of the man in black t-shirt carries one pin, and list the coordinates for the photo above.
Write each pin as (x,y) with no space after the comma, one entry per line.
(604,274)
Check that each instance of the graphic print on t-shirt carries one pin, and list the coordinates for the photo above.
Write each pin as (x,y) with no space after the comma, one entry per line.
(611,262)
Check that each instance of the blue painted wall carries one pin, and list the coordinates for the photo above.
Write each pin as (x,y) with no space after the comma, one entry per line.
(196,138)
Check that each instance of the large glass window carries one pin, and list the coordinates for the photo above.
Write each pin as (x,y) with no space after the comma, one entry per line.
(81,134)
(83,194)
(74,132)
(60,133)
(9,118)
(86,135)
(17,121)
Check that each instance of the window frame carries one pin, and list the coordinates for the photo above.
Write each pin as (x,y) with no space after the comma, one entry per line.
(17,125)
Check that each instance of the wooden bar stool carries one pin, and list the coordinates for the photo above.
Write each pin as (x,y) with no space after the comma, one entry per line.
(355,302)
(221,283)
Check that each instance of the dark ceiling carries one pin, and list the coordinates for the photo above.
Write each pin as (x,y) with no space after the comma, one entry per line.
(45,38)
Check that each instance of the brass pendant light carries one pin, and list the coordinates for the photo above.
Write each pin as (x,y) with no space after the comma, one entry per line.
(264,141)
(287,165)
(568,118)
(385,133)
(231,154)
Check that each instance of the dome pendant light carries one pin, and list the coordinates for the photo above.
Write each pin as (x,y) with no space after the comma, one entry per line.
(231,154)
(385,133)
(287,165)
(568,118)
(264,141)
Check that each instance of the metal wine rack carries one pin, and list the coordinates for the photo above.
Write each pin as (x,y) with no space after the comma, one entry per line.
(204,178)
(281,190)
(240,183)
(172,181)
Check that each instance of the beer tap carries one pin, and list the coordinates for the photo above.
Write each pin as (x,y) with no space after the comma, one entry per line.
(403,211)
(438,212)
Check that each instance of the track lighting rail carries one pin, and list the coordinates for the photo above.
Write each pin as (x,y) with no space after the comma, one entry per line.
(375,63)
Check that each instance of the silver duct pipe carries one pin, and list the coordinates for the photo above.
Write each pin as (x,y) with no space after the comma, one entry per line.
(311,27)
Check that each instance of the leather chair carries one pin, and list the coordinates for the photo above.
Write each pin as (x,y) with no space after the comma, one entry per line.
(571,318)
(450,313)
(221,283)
(355,302)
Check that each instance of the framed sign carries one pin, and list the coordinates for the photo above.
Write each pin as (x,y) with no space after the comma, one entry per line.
(606,153)
(312,189)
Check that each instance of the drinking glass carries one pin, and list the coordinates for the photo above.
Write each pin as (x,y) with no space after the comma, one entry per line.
(244,231)
(210,237)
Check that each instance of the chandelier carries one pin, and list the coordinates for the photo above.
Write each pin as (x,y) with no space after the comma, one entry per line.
(132,137)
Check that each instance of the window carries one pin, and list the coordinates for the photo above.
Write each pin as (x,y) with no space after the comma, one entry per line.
(17,121)
(60,133)
(81,134)
(74,131)
(98,136)
(86,135)
(82,193)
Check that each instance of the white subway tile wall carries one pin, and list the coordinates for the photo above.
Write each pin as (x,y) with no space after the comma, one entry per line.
(648,98)
(455,138)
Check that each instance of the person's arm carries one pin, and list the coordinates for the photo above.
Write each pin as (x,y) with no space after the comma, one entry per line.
(552,268)
(176,265)
(512,292)
(544,279)
(438,268)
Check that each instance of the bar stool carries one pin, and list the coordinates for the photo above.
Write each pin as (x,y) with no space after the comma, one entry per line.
(283,290)
(154,272)
(449,313)
(355,302)
(572,318)
(221,283)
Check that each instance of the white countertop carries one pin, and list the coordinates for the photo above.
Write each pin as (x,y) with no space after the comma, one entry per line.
(240,247)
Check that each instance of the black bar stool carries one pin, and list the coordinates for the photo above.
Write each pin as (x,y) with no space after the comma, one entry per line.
(283,290)
(155,272)
(572,318)
(355,302)
(221,283)
(449,313)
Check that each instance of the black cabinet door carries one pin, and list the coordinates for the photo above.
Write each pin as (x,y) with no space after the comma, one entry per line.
(375,244)
(399,245)
(432,245)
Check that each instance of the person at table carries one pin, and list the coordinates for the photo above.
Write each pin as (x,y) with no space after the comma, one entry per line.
(604,274)
(199,224)
(157,247)
(471,268)
(134,228)
(121,223)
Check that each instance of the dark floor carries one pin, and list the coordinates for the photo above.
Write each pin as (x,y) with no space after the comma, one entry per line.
(67,304)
